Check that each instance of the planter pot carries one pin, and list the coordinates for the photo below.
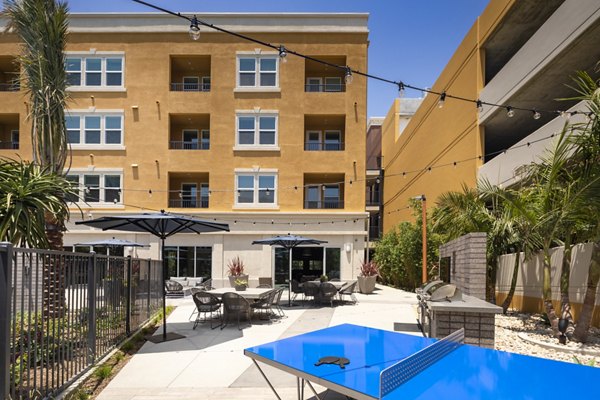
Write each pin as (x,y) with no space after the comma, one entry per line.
(232,279)
(366,284)
(240,288)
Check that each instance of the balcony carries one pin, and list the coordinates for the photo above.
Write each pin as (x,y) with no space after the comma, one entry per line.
(189,132)
(190,74)
(9,131)
(373,197)
(324,132)
(374,232)
(323,191)
(9,74)
(188,190)
(320,78)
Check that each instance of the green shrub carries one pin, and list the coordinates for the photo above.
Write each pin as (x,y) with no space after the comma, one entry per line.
(103,372)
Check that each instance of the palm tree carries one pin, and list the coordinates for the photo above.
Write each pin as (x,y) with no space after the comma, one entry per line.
(42,26)
(28,193)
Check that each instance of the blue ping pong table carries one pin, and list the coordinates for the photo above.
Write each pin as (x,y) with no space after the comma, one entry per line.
(391,365)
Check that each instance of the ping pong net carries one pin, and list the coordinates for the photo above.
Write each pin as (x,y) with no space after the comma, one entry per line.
(404,370)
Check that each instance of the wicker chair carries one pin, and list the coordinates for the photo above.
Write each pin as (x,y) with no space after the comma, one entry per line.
(173,289)
(206,303)
(206,285)
(263,304)
(327,292)
(348,290)
(235,305)
(311,289)
(275,302)
(265,282)
(296,289)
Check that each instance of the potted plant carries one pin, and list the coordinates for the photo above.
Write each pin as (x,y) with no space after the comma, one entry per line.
(323,278)
(367,277)
(236,271)
(240,284)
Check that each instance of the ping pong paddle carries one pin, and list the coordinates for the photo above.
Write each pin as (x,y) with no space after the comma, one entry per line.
(341,361)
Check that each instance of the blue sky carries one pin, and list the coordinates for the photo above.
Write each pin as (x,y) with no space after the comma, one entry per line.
(410,40)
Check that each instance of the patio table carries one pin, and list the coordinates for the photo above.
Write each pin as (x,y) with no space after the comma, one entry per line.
(248,294)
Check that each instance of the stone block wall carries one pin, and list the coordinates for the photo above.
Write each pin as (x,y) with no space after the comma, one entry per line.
(479,327)
(468,263)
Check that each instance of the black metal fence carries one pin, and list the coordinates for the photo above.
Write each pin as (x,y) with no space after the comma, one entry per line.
(60,312)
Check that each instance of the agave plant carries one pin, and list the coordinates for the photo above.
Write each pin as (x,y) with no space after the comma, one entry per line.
(369,268)
(236,267)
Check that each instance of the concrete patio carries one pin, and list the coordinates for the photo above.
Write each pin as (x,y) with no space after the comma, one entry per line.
(209,364)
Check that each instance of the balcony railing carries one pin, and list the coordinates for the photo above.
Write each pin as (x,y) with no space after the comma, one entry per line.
(373,198)
(374,232)
(10,87)
(313,146)
(200,202)
(190,87)
(178,145)
(331,88)
(9,145)
(326,204)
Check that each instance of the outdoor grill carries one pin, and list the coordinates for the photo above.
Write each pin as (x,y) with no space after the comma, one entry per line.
(433,291)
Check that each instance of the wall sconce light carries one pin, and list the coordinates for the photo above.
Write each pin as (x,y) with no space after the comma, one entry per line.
(135,107)
(134,165)
(348,247)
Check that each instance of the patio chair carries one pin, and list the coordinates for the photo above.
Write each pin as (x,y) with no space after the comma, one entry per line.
(235,305)
(296,289)
(263,304)
(275,302)
(268,281)
(311,289)
(173,289)
(193,291)
(206,285)
(206,303)
(264,286)
(327,292)
(348,290)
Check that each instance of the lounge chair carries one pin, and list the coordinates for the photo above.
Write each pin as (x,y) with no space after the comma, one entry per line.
(348,290)
(173,289)
(235,305)
(206,303)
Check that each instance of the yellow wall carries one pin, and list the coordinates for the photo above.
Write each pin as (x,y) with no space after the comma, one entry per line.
(146,128)
(439,136)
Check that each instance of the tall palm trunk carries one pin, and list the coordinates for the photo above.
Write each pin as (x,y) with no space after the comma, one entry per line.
(513,284)
(565,278)
(547,292)
(585,318)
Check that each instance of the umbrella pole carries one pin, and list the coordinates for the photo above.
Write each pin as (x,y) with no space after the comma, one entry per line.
(290,280)
(164,294)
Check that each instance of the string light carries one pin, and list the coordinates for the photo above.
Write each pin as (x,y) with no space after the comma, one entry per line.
(536,115)
(348,78)
(510,112)
(479,105)
(194,29)
(442,100)
(282,54)
(401,89)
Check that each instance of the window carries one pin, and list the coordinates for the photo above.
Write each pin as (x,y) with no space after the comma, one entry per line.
(313,84)
(205,139)
(256,189)
(95,71)
(333,140)
(189,261)
(313,140)
(329,141)
(189,194)
(333,84)
(102,188)
(191,83)
(258,71)
(323,196)
(256,131)
(96,129)
(14,138)
(190,139)
(206,83)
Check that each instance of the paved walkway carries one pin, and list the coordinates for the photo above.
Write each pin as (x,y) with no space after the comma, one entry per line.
(209,364)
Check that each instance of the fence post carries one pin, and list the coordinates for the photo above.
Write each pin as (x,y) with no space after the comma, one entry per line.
(91,291)
(6,250)
(128,299)
(149,287)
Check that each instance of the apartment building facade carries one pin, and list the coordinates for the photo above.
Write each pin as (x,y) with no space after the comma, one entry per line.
(219,128)
(521,54)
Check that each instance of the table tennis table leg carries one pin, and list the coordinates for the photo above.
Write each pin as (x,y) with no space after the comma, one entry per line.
(266,379)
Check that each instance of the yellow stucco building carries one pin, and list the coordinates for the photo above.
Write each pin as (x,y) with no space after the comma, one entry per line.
(219,128)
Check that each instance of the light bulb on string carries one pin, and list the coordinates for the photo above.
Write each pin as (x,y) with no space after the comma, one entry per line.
(401,89)
(479,106)
(194,29)
(536,114)
(282,54)
(510,112)
(442,100)
(348,78)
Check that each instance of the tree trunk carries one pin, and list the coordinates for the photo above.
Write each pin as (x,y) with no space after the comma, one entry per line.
(565,276)
(585,318)
(54,300)
(547,294)
(513,284)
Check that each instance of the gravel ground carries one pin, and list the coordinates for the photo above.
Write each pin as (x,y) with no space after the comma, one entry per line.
(509,326)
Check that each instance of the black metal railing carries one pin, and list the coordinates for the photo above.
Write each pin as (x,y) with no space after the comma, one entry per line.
(199,202)
(179,145)
(64,311)
(373,198)
(313,146)
(9,145)
(190,87)
(333,87)
(374,232)
(10,87)
(326,204)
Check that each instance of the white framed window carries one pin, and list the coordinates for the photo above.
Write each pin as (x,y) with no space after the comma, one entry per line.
(95,71)
(333,84)
(97,188)
(191,83)
(256,189)
(313,141)
(95,130)
(256,131)
(314,84)
(206,83)
(332,141)
(257,71)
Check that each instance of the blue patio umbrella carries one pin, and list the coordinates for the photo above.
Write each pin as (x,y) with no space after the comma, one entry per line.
(289,242)
(112,243)
(161,225)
